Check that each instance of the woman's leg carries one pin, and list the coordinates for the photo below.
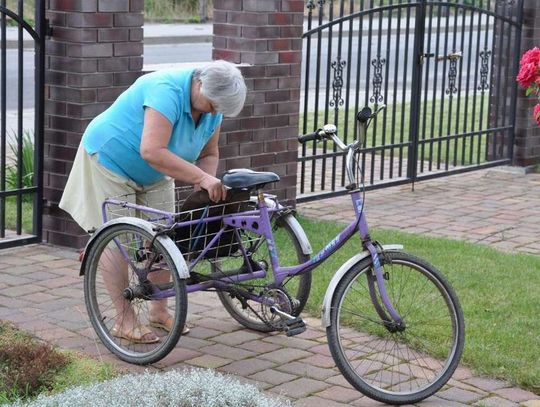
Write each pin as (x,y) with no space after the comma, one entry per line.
(88,186)
(116,278)
(159,196)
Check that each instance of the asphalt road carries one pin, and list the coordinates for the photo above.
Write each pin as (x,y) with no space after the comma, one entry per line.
(397,52)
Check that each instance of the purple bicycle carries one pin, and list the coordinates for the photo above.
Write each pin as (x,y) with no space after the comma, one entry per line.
(394,324)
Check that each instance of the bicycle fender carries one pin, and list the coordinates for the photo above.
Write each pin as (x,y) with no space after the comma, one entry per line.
(299,233)
(294,225)
(166,241)
(345,267)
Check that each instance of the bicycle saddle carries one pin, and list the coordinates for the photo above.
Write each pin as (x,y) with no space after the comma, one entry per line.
(245,178)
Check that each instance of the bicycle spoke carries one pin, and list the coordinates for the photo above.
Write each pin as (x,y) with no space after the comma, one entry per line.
(297,287)
(121,269)
(396,363)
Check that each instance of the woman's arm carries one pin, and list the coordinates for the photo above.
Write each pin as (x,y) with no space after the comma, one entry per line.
(209,157)
(156,135)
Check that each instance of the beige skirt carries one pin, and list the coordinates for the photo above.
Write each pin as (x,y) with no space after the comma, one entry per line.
(90,183)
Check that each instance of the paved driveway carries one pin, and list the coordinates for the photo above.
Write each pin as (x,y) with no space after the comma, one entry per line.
(40,291)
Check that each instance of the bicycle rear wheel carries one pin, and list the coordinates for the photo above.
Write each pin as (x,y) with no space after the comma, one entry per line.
(121,274)
(388,365)
(289,250)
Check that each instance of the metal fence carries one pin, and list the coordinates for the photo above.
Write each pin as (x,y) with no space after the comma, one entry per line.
(22,58)
(444,69)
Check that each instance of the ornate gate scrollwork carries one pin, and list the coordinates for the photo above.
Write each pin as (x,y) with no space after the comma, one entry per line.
(337,83)
(378,64)
(484,70)
(453,59)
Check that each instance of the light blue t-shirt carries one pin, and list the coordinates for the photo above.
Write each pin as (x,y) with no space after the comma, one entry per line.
(115,135)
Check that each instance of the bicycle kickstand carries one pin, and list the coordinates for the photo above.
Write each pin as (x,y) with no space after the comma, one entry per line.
(292,325)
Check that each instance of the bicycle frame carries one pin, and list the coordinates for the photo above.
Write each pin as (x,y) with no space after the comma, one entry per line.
(258,222)
(263,228)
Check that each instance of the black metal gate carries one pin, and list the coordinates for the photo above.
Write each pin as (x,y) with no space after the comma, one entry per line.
(444,69)
(22,57)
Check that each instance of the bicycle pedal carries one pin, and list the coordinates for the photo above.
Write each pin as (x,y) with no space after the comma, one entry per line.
(294,326)
(293,322)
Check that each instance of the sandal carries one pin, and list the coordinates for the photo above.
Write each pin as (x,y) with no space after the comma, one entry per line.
(139,334)
(168,324)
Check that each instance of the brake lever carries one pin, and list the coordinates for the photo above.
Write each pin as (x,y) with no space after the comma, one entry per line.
(378,109)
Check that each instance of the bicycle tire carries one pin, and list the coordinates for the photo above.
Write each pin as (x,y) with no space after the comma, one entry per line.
(298,286)
(396,367)
(100,293)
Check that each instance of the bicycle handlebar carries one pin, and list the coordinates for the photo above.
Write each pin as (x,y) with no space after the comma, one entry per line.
(364,115)
(309,137)
(329,131)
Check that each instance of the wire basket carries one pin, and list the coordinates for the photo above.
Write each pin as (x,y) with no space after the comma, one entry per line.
(195,225)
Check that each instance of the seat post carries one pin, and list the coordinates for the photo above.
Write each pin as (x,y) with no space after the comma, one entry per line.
(260,195)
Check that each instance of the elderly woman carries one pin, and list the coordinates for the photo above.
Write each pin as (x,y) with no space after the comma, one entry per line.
(150,136)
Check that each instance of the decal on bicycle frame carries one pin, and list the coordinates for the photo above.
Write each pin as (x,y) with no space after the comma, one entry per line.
(271,247)
(359,206)
(328,248)
(376,262)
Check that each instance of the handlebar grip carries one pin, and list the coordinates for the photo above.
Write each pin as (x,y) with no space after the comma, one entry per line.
(364,115)
(309,137)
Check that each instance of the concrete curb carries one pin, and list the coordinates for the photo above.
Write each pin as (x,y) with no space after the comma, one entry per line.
(192,39)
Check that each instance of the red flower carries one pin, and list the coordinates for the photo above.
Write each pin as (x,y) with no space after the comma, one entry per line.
(536,113)
(532,56)
(527,74)
(529,77)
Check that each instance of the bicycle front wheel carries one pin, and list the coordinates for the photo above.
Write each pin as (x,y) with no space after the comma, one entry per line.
(122,275)
(386,364)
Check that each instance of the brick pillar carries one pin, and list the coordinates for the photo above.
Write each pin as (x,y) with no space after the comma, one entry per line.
(527,141)
(264,36)
(94,54)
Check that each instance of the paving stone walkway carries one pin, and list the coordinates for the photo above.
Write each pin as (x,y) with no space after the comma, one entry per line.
(41,292)
(499,207)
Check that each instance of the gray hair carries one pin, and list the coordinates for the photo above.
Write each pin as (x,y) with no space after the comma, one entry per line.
(224,85)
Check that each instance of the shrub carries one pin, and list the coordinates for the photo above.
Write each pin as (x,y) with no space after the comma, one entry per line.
(27,367)
(27,163)
(177,10)
(191,5)
(188,388)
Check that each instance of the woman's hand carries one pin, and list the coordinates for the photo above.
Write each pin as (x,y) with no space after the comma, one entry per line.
(216,190)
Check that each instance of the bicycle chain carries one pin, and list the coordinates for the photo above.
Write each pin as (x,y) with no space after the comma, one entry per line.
(262,317)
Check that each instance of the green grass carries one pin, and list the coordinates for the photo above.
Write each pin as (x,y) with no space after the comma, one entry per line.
(80,371)
(11,214)
(498,292)
(392,127)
